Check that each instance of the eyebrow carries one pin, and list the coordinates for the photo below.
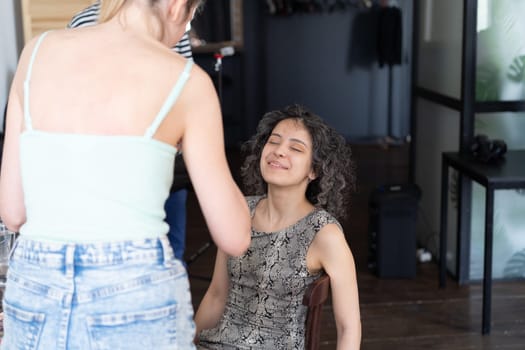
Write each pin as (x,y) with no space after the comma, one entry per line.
(292,139)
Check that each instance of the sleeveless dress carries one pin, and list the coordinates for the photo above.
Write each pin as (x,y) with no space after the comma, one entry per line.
(264,307)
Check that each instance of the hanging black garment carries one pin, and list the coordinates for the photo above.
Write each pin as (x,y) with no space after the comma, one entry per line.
(363,40)
(389,38)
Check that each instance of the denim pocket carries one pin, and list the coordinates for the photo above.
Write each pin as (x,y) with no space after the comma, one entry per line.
(22,328)
(144,329)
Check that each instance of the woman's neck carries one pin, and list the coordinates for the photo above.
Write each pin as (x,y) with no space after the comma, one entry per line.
(137,19)
(281,209)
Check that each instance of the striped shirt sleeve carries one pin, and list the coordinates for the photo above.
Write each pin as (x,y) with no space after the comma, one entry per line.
(86,17)
(89,16)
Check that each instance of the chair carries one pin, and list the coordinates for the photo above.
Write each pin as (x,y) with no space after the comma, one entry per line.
(314,297)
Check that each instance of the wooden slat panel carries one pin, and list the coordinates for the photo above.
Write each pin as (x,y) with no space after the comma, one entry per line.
(41,15)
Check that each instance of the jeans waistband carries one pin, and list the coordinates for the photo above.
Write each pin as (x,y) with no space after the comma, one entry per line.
(59,254)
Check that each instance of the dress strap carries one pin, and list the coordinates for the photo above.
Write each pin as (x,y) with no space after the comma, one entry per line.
(27,115)
(170,101)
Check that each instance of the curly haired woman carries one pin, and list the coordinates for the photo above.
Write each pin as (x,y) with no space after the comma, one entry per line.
(300,172)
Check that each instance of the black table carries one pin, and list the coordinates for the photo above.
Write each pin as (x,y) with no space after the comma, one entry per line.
(508,173)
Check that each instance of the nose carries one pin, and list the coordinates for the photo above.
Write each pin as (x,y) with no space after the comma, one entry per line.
(279,151)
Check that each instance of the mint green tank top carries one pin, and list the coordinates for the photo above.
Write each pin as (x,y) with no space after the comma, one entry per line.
(89,188)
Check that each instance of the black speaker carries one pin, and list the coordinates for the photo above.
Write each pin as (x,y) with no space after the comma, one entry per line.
(392,230)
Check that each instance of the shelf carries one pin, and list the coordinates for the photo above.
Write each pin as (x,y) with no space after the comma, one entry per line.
(215,47)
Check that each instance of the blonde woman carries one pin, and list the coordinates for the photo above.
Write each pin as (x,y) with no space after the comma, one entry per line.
(175,205)
(95,117)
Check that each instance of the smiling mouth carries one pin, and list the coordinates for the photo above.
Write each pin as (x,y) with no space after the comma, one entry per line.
(277,165)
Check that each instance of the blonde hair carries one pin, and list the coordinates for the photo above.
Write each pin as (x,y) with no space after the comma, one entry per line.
(108,9)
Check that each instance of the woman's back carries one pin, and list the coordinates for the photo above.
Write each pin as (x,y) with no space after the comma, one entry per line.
(107,183)
(113,80)
(111,87)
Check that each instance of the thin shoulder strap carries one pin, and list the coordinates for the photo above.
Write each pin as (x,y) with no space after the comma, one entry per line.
(27,115)
(170,101)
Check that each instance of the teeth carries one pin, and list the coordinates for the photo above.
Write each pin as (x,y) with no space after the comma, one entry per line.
(275,164)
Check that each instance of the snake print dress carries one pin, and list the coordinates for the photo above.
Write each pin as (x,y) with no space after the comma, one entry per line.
(264,307)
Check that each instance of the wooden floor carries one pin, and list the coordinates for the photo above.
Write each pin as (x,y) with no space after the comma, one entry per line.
(396,314)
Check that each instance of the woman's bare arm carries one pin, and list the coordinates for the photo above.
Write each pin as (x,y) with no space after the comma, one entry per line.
(336,259)
(12,208)
(212,305)
(220,199)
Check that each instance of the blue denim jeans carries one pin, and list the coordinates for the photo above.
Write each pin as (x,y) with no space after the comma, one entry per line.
(123,295)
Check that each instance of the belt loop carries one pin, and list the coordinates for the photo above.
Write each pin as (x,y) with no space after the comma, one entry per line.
(167,250)
(69,260)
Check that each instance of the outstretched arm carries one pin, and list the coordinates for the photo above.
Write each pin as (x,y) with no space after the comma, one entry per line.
(221,201)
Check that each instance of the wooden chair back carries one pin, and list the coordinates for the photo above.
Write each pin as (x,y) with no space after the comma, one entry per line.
(314,297)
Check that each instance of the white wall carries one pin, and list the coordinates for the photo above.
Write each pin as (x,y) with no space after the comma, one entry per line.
(10,43)
(331,66)
(437,132)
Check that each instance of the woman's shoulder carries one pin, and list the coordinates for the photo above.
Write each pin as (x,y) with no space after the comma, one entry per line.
(252,202)
(28,53)
(328,230)
(320,218)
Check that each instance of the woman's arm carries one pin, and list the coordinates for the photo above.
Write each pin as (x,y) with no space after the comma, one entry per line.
(221,201)
(212,305)
(12,208)
(335,257)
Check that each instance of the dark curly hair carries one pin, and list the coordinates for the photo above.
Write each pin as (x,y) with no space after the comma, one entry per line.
(331,160)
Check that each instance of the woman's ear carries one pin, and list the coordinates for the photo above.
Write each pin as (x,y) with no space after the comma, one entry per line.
(311,175)
(177,10)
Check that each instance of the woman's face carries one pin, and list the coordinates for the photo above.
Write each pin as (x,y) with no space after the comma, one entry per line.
(286,158)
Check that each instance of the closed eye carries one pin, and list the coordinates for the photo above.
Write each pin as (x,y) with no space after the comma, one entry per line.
(274,140)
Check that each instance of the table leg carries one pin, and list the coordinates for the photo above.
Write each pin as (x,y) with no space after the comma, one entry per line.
(487,262)
(443,225)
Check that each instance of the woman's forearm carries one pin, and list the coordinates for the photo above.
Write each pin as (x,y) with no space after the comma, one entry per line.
(209,312)
(349,338)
